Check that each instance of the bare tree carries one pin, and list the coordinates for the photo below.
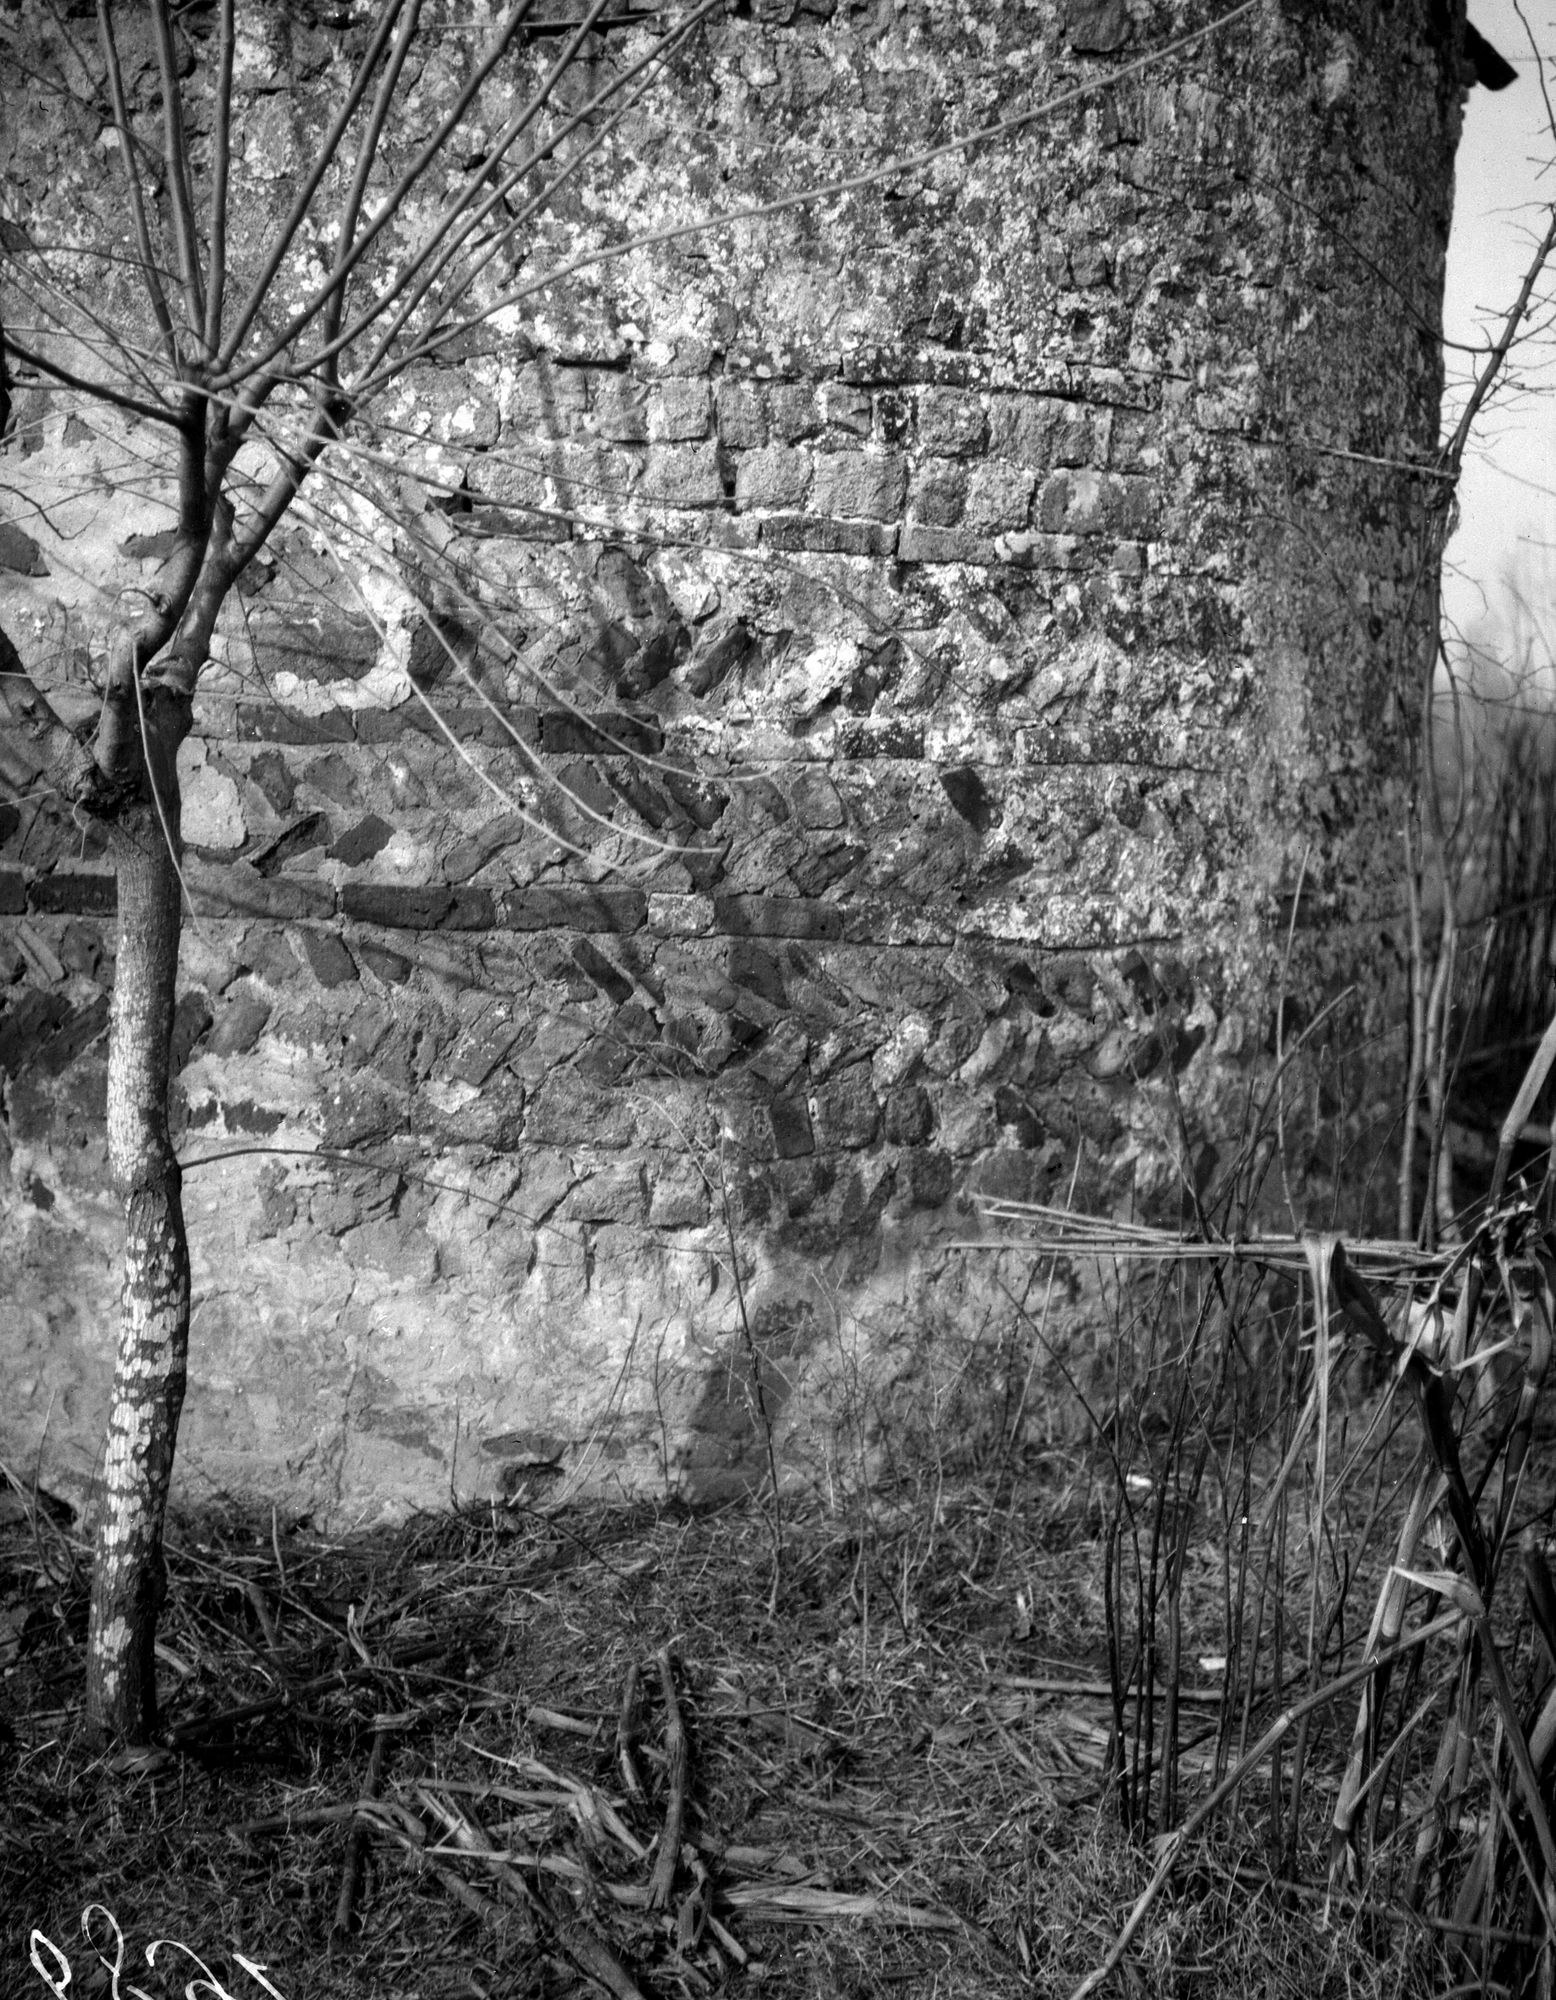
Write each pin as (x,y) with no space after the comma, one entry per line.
(247,366)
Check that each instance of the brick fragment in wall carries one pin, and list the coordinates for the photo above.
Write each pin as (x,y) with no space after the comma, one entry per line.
(789,1119)
(965,788)
(271,773)
(333,777)
(418,907)
(599,734)
(270,722)
(239,1024)
(19,553)
(13,892)
(325,956)
(483,1046)
(310,831)
(392,967)
(890,737)
(602,971)
(776,916)
(312,641)
(919,544)
(57,1039)
(361,842)
(236,889)
(793,534)
(574,906)
(74,892)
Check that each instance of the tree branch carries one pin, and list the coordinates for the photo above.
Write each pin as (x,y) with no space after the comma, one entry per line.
(150,275)
(329,145)
(176,163)
(216,215)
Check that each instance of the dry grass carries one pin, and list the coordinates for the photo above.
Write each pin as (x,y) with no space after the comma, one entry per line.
(898,1785)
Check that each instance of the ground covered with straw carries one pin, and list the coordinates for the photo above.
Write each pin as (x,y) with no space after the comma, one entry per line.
(512,1753)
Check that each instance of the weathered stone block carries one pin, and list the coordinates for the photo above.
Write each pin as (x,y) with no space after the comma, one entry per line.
(239,1024)
(918,544)
(392,967)
(847,1111)
(774,477)
(892,736)
(793,411)
(544,401)
(682,476)
(679,412)
(937,493)
(590,478)
(858,485)
(847,411)
(1041,431)
(789,1118)
(567,1110)
(910,1116)
(741,414)
(952,423)
(616,1195)
(1087,502)
(927,1178)
(999,497)
(678,1197)
(618,409)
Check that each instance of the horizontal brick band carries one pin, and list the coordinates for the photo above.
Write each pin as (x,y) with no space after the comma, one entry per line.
(585,907)
(776,916)
(600,735)
(417,908)
(73,893)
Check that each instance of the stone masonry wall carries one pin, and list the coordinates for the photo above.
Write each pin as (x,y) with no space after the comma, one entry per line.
(997,592)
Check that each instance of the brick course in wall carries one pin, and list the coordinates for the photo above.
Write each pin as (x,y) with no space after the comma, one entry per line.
(989,598)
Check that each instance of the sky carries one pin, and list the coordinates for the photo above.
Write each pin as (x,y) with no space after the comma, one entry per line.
(1500,587)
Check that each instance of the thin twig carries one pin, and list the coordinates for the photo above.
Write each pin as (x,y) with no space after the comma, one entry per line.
(662,1882)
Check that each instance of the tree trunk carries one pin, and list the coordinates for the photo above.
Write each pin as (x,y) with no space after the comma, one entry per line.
(128,1577)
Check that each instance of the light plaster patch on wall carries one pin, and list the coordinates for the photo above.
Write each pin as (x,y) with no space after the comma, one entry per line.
(824,672)
(212,807)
